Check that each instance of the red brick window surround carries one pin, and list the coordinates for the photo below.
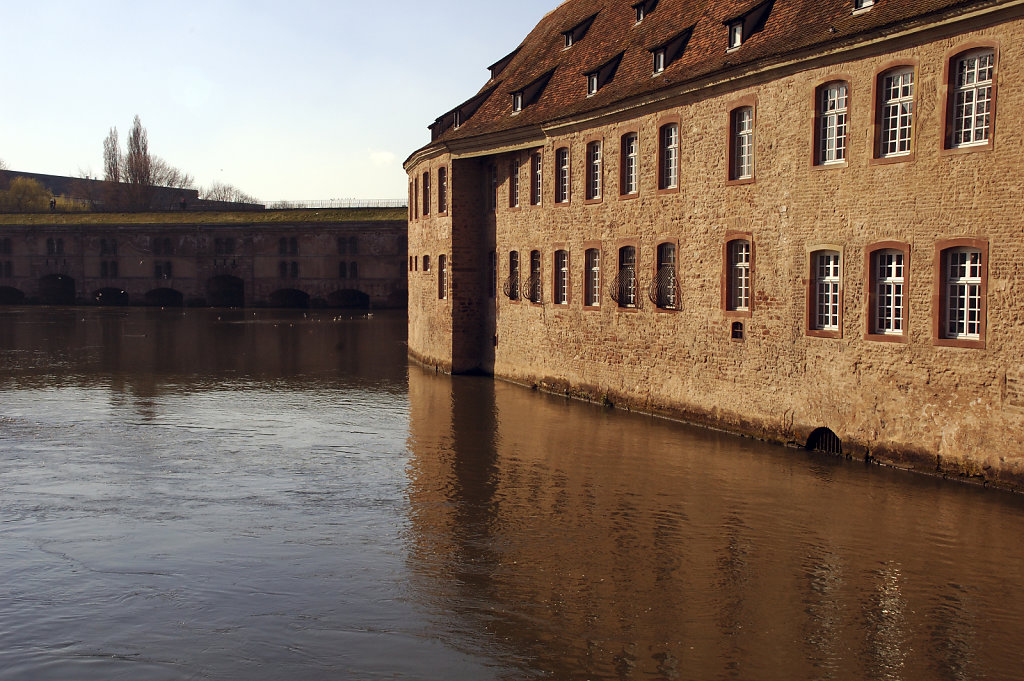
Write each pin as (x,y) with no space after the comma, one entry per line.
(560,292)
(563,188)
(738,274)
(536,178)
(534,290)
(970,85)
(664,291)
(629,165)
(625,288)
(442,191)
(959,307)
(595,165)
(887,264)
(831,123)
(668,157)
(426,193)
(895,120)
(741,144)
(442,277)
(592,278)
(513,182)
(825,293)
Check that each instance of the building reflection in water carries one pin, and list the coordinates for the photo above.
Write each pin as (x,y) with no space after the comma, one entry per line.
(575,542)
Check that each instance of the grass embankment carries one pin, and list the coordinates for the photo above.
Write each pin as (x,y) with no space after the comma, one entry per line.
(252,217)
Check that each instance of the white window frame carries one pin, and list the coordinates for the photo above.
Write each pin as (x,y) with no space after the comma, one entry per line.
(631,165)
(743,143)
(668,173)
(561,277)
(739,275)
(592,260)
(827,290)
(659,61)
(593,84)
(562,179)
(442,277)
(962,270)
(627,277)
(513,183)
(536,178)
(667,276)
(972,98)
(888,267)
(896,136)
(594,170)
(833,102)
(735,34)
(517,102)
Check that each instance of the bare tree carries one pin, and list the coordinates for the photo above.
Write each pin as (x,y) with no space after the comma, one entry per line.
(220,191)
(166,175)
(3,166)
(111,157)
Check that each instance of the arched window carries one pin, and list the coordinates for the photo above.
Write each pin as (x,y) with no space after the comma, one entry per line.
(668,156)
(561,293)
(562,187)
(826,292)
(592,277)
(896,112)
(534,284)
(830,123)
(970,100)
(888,267)
(741,160)
(626,281)
(665,289)
(593,191)
(630,168)
(738,265)
(963,284)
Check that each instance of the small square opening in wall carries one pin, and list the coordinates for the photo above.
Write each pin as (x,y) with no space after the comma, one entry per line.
(737,331)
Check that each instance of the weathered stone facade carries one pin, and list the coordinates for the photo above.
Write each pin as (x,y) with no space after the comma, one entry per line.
(920,396)
(341,259)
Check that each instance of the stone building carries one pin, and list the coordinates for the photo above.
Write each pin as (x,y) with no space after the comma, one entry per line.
(795,219)
(325,258)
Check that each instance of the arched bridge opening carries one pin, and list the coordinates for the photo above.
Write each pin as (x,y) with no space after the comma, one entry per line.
(348,297)
(225,290)
(11,296)
(164,297)
(824,440)
(289,297)
(110,296)
(57,289)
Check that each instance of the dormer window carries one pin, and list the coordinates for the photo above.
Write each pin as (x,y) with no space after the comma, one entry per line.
(517,102)
(529,94)
(643,9)
(592,84)
(568,39)
(659,61)
(862,4)
(735,34)
(458,119)
(603,75)
(576,33)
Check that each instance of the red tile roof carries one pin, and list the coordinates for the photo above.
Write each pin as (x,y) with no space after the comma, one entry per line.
(790,26)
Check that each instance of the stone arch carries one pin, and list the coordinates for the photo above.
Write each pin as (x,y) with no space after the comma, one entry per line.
(348,297)
(57,289)
(289,297)
(225,290)
(824,440)
(11,296)
(164,297)
(110,296)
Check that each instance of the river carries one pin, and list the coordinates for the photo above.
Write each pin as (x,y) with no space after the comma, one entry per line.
(266,494)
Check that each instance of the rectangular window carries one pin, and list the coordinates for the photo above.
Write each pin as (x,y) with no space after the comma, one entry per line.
(493,182)
(972,105)
(888,270)
(897,113)
(592,277)
(666,293)
(832,113)
(735,34)
(535,285)
(739,275)
(442,277)
(659,61)
(562,188)
(513,183)
(426,263)
(536,177)
(593,171)
(962,294)
(426,193)
(512,285)
(561,277)
(626,288)
(492,270)
(630,166)
(592,83)
(742,166)
(442,190)
(416,199)
(827,291)
(668,166)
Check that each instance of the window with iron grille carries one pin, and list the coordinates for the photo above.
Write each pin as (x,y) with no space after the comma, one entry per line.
(665,287)
(625,288)
(897,113)
(832,112)
(492,269)
(593,171)
(972,102)
(827,291)
(592,277)
(534,285)
(512,284)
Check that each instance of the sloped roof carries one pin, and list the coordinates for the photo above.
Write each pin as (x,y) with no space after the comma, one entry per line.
(790,26)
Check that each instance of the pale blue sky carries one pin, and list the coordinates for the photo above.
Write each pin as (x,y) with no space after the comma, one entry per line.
(297,99)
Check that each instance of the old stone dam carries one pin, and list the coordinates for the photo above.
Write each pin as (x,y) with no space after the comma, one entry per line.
(239,494)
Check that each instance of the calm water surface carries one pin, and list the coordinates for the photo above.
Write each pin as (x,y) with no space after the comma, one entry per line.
(269,495)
